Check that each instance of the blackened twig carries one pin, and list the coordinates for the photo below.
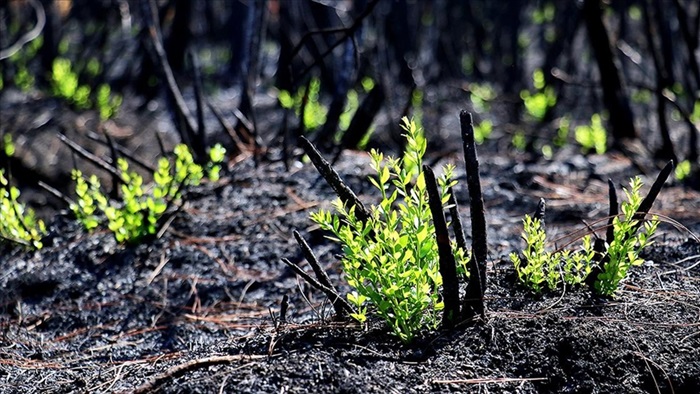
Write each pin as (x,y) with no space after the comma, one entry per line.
(187,124)
(199,142)
(457,226)
(474,299)
(330,293)
(284,305)
(448,269)
(89,156)
(648,201)
(226,125)
(114,193)
(123,151)
(346,195)
(612,213)
(346,32)
(321,274)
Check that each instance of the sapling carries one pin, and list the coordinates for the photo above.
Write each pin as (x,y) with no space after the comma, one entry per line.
(538,268)
(138,213)
(391,258)
(17,222)
(628,242)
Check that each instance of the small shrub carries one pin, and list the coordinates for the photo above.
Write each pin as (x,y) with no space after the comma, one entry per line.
(539,268)
(593,136)
(138,213)
(17,222)
(623,251)
(482,131)
(65,85)
(537,104)
(391,261)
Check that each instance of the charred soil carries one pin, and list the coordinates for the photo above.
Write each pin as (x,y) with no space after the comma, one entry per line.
(198,309)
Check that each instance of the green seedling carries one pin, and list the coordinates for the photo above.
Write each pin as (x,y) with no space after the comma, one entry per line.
(482,131)
(18,223)
(539,103)
(65,85)
(593,136)
(683,170)
(314,113)
(628,242)
(391,260)
(539,268)
(481,96)
(138,214)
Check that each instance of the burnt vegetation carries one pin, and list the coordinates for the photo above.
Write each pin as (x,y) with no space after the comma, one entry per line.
(563,100)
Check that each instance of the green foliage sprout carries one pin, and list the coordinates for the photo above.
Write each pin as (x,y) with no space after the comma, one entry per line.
(65,85)
(683,170)
(17,222)
(628,241)
(482,131)
(539,268)
(593,136)
(537,104)
(314,113)
(391,261)
(137,215)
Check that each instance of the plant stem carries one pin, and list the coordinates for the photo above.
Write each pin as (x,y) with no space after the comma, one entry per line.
(346,195)
(448,269)
(474,299)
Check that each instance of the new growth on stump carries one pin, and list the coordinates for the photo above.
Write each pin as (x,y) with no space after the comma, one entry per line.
(398,255)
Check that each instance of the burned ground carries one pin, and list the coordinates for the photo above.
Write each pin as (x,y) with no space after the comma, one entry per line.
(87,315)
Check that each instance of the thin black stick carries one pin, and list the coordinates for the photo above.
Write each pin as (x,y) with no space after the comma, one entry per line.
(332,295)
(199,142)
(226,125)
(540,211)
(346,32)
(448,269)
(648,201)
(114,193)
(614,210)
(474,299)
(321,274)
(188,124)
(457,226)
(123,151)
(89,156)
(346,195)
(55,192)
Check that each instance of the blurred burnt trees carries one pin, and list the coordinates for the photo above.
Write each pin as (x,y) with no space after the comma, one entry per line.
(634,61)
(615,96)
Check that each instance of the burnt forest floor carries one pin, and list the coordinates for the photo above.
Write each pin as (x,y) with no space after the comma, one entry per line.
(87,315)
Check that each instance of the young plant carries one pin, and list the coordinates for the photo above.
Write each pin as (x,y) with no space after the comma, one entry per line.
(391,260)
(314,113)
(17,222)
(592,137)
(137,215)
(628,242)
(539,268)
(537,104)
(65,85)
